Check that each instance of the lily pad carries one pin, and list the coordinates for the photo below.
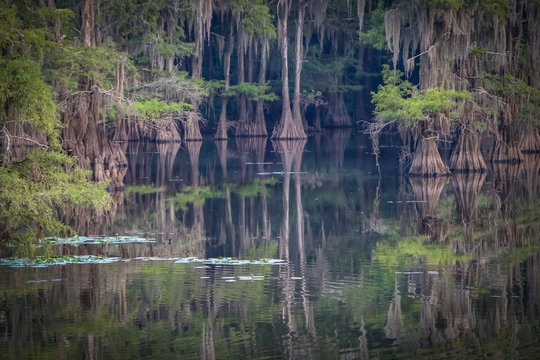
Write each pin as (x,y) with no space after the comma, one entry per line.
(230,261)
(42,261)
(99,240)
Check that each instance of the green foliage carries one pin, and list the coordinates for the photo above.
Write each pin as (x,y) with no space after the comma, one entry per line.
(143,190)
(399,99)
(441,4)
(255,17)
(25,30)
(70,67)
(196,196)
(252,91)
(32,191)
(36,187)
(495,7)
(414,250)
(24,96)
(478,51)
(155,108)
(167,49)
(258,186)
(215,86)
(507,87)
(375,35)
(323,73)
(138,23)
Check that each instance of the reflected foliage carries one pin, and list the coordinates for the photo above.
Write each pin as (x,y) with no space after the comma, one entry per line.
(417,268)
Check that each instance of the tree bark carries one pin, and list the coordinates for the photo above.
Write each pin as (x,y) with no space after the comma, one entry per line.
(530,138)
(287,128)
(87,23)
(466,155)
(196,59)
(297,108)
(241,123)
(57,22)
(427,161)
(507,143)
(258,127)
(337,115)
(221,133)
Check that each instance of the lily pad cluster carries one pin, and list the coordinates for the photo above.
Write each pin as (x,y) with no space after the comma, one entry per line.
(42,261)
(98,240)
(230,261)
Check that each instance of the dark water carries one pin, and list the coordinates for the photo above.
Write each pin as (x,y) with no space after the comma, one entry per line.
(377,268)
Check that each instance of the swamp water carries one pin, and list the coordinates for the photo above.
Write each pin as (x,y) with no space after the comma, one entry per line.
(260,249)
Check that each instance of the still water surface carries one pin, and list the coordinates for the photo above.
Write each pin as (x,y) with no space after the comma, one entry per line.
(372,267)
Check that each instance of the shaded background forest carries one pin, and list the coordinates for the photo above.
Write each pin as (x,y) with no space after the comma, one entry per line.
(161,71)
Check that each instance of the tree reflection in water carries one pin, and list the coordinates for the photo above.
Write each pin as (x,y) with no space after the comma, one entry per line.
(375,267)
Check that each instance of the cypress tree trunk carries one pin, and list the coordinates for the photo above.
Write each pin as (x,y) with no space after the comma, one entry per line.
(196,58)
(317,121)
(337,115)
(221,132)
(57,22)
(169,23)
(287,128)
(242,120)
(507,148)
(258,127)
(426,159)
(297,109)
(202,26)
(466,155)
(192,131)
(529,138)
(88,35)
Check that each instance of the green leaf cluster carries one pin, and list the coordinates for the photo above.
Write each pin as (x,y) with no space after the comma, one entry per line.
(252,91)
(442,4)
(26,29)
(38,184)
(495,7)
(71,68)
(155,108)
(375,35)
(399,99)
(324,73)
(196,196)
(137,22)
(507,87)
(255,17)
(25,97)
(35,189)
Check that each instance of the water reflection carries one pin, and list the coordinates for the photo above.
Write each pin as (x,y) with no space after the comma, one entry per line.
(375,267)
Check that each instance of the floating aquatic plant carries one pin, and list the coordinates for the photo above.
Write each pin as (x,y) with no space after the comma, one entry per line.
(42,261)
(229,261)
(98,240)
